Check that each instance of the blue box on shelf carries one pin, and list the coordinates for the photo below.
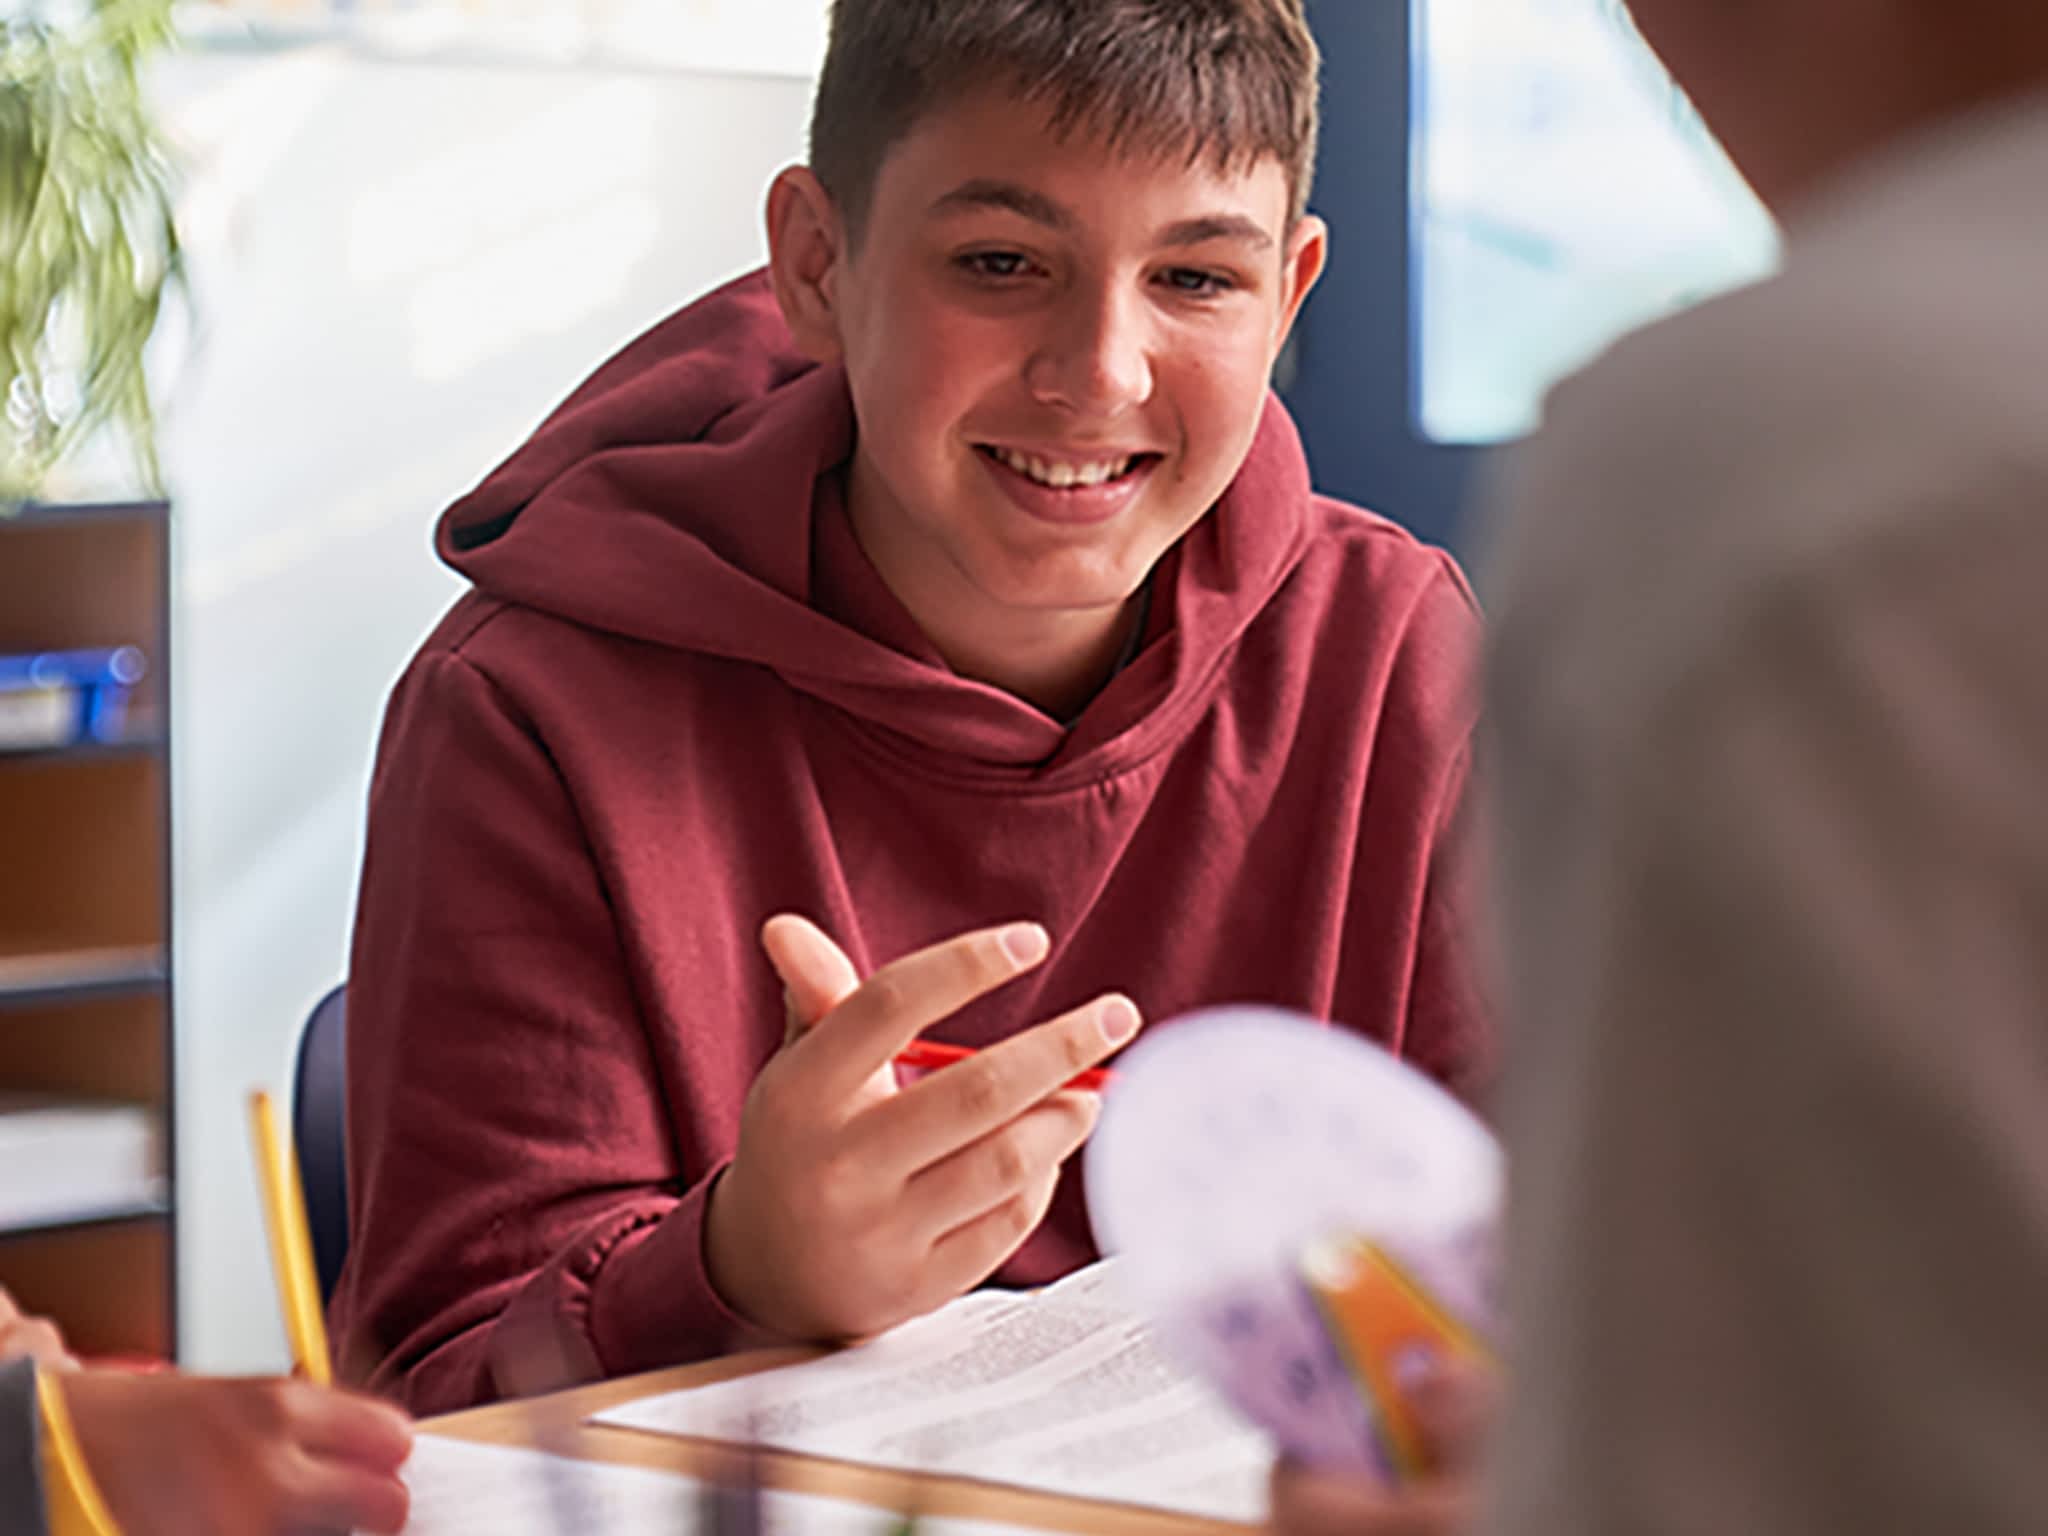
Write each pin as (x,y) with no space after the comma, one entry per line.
(56,699)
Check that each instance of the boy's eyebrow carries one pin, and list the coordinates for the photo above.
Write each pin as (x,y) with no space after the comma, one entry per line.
(1217,226)
(1010,197)
(984,192)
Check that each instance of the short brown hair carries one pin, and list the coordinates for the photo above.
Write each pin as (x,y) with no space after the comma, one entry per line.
(1232,79)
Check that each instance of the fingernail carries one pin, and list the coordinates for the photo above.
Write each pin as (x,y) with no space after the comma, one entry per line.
(1026,943)
(1119,1020)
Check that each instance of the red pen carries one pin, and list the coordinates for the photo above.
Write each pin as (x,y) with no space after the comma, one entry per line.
(930,1055)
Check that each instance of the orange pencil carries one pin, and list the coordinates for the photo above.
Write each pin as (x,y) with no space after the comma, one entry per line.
(291,1245)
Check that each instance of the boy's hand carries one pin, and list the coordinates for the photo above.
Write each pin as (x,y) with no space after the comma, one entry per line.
(1455,1409)
(852,1205)
(35,1337)
(198,1456)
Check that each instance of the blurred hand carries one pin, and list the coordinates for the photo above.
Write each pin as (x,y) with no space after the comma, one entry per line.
(1456,1410)
(198,1456)
(852,1204)
(34,1337)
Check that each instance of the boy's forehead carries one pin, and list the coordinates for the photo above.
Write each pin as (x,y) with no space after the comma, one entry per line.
(984,146)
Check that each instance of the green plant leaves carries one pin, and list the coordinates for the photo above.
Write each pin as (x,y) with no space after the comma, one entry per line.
(88,239)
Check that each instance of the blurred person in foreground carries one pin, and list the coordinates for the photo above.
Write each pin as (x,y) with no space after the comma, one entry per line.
(1769,699)
(174,1455)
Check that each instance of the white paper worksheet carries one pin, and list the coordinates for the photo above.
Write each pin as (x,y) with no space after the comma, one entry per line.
(460,1489)
(1062,1390)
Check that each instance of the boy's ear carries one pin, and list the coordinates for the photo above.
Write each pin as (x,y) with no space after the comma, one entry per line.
(1308,252)
(806,244)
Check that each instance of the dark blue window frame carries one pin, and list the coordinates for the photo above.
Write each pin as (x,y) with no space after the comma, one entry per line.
(1351,376)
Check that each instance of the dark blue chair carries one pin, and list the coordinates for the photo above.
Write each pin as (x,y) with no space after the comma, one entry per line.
(319,1113)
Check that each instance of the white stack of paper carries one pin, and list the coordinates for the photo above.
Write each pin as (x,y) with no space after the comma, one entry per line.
(460,1489)
(68,1159)
(1062,1390)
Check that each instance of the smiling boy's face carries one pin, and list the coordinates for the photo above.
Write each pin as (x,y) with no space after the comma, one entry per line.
(1059,352)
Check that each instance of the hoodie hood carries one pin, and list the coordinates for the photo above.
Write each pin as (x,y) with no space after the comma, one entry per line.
(686,496)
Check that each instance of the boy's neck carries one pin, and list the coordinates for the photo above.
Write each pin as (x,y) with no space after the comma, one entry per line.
(1057,667)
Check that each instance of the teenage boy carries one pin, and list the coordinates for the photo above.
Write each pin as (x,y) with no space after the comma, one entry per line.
(1772,733)
(961,573)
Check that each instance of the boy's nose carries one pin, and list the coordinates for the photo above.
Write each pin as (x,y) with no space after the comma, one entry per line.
(1096,363)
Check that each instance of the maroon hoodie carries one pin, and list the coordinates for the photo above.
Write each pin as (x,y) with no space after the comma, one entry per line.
(679,700)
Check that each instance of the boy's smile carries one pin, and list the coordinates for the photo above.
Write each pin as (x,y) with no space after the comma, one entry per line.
(1059,354)
(1053,484)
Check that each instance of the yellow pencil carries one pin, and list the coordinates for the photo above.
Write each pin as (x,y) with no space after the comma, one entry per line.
(291,1244)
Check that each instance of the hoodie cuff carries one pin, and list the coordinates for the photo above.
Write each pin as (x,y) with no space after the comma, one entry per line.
(652,1303)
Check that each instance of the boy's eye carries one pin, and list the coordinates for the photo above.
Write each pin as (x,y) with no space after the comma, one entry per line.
(995,264)
(1195,283)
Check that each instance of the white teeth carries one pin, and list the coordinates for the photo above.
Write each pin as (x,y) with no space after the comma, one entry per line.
(1062,476)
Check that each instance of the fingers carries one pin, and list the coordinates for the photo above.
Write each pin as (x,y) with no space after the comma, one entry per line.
(971,1099)
(816,975)
(215,1455)
(969,1254)
(344,1496)
(1456,1408)
(34,1338)
(841,1213)
(1312,1503)
(865,1030)
(1009,1163)
(350,1427)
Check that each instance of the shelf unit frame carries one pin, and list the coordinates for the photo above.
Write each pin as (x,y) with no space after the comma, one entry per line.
(86,994)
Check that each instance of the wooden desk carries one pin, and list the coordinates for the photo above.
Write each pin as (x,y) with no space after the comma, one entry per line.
(557,1424)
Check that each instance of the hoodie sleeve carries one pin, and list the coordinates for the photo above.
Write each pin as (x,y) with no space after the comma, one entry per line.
(1450,1031)
(1422,860)
(519,1219)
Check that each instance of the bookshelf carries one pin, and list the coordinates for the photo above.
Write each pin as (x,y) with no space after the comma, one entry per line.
(86,1205)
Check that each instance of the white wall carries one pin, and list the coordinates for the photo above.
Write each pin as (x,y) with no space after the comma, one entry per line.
(399,267)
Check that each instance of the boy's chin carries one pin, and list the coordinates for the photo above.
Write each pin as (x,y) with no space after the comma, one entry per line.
(1063,584)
